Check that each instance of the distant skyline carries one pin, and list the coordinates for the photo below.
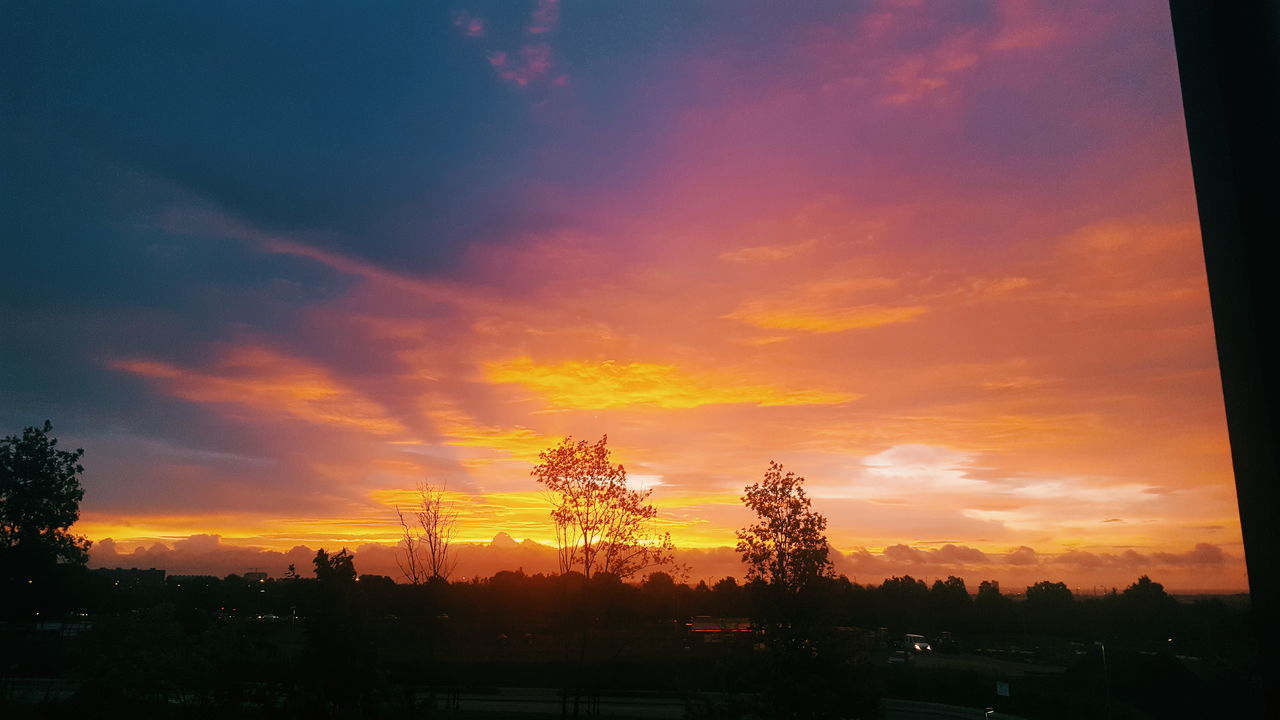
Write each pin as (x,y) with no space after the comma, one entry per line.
(272,266)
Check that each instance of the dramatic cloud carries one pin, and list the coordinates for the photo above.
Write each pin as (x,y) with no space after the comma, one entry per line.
(263,381)
(815,318)
(270,295)
(530,62)
(208,554)
(609,385)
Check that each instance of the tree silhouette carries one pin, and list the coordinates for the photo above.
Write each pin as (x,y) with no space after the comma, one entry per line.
(904,600)
(334,571)
(991,607)
(787,546)
(786,553)
(1146,592)
(1145,609)
(340,667)
(602,525)
(604,530)
(40,498)
(949,600)
(1049,595)
(427,554)
(1049,606)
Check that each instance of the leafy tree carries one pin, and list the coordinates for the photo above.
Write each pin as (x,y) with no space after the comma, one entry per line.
(786,553)
(989,591)
(602,525)
(604,529)
(1145,609)
(787,545)
(727,584)
(992,609)
(952,591)
(1050,606)
(659,582)
(949,600)
(1145,591)
(40,498)
(337,643)
(902,602)
(1049,595)
(335,570)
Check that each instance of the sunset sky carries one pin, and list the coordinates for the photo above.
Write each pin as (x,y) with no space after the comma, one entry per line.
(273,264)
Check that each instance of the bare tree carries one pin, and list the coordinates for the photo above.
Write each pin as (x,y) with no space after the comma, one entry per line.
(428,536)
(602,525)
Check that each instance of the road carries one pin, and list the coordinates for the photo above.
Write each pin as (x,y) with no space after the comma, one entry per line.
(539,701)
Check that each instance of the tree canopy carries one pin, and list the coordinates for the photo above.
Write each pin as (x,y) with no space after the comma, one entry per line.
(336,569)
(40,496)
(787,545)
(1049,595)
(602,525)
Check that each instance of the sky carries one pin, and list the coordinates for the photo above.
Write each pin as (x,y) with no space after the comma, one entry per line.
(272,265)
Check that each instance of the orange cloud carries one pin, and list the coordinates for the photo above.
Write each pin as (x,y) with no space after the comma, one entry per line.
(832,303)
(460,430)
(265,381)
(819,319)
(1206,566)
(767,253)
(601,385)
(1045,314)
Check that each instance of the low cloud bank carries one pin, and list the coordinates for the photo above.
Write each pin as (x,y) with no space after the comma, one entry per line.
(1205,566)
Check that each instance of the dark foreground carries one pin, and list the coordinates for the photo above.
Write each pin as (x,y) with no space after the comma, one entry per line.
(143,645)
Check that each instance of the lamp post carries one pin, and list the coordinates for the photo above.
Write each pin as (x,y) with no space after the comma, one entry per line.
(1106,681)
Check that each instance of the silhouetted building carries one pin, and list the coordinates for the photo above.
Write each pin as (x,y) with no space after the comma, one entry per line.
(133,577)
(64,629)
(717,629)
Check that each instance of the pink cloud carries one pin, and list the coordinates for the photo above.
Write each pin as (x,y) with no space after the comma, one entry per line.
(209,555)
(1065,364)
(470,25)
(545,17)
(531,64)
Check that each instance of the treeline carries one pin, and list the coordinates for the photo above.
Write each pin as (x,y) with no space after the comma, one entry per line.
(512,601)
(341,644)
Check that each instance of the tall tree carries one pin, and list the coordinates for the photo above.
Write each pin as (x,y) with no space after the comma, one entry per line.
(602,525)
(428,537)
(787,559)
(787,545)
(40,496)
(340,659)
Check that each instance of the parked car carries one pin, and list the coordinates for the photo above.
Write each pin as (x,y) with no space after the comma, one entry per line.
(916,643)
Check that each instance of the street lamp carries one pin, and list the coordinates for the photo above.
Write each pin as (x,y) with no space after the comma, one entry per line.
(1106,681)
